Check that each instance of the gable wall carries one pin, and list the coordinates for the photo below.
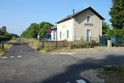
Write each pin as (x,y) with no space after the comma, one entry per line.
(80,27)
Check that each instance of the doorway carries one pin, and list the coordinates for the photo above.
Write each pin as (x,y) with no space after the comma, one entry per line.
(88,35)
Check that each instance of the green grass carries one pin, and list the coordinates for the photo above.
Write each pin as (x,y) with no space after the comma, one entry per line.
(113,74)
(49,49)
(32,42)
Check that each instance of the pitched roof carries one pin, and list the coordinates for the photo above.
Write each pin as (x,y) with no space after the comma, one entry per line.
(75,14)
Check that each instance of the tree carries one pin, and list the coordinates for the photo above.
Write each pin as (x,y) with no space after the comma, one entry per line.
(115,33)
(34,29)
(3,30)
(117,14)
(105,28)
(43,26)
(4,36)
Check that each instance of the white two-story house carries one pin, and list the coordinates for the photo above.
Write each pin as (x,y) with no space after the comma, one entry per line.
(85,24)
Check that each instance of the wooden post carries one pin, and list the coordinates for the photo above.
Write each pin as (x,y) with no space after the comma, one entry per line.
(3,46)
(56,44)
(42,43)
(0,45)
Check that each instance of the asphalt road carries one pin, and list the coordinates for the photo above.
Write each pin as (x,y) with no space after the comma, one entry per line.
(22,64)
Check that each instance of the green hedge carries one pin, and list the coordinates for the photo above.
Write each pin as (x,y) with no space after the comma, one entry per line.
(5,37)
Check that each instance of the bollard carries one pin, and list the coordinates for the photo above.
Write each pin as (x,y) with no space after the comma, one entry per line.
(109,43)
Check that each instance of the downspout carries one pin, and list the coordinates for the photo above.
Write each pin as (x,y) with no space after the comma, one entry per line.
(74,29)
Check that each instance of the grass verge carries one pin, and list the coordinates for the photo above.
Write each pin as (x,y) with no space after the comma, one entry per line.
(32,42)
(113,74)
(7,46)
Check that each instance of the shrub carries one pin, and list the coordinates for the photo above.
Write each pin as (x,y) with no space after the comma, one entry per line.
(49,49)
(38,49)
(115,33)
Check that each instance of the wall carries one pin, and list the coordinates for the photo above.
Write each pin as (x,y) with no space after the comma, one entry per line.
(63,27)
(81,25)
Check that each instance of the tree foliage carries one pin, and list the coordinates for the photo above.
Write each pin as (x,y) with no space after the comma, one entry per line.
(34,29)
(5,36)
(117,14)
(115,33)
(105,28)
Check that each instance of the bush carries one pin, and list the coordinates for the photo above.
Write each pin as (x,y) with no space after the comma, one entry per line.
(49,49)
(38,49)
(115,33)
(80,44)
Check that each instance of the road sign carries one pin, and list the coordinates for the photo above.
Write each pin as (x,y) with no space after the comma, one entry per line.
(48,30)
(48,36)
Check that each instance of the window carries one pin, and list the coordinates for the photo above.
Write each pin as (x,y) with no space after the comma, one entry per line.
(88,19)
(67,33)
(60,34)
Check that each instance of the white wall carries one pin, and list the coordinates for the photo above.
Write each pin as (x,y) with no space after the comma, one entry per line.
(54,35)
(63,27)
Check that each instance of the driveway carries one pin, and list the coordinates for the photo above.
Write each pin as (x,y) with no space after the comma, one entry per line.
(22,64)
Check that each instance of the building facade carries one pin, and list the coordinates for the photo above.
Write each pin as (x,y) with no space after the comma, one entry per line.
(86,25)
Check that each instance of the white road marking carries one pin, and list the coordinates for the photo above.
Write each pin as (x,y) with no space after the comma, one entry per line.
(11,56)
(80,81)
(4,57)
(19,56)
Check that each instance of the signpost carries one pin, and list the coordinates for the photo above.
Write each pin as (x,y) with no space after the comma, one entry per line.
(48,31)
(48,35)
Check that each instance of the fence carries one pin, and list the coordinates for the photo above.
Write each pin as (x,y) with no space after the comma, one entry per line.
(82,43)
(53,44)
(116,41)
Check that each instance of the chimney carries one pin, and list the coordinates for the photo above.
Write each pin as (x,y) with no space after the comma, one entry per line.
(73,11)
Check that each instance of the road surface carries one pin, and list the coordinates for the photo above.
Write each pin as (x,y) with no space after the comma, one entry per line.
(22,64)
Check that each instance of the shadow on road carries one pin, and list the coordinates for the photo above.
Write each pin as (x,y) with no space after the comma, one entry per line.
(73,72)
(20,44)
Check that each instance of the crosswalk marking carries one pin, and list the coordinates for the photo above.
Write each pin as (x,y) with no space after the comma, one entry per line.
(4,57)
(11,56)
(19,56)
(78,81)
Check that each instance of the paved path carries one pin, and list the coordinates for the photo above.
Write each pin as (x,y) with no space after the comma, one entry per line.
(22,64)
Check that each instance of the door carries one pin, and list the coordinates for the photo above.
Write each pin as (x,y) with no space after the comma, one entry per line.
(88,35)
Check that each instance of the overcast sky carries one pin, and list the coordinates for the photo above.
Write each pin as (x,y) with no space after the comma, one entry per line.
(17,15)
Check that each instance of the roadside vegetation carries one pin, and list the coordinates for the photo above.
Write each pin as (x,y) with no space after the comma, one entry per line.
(32,42)
(6,40)
(112,74)
(7,46)
(65,46)
(36,29)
